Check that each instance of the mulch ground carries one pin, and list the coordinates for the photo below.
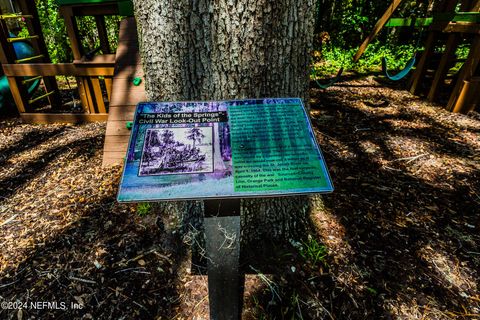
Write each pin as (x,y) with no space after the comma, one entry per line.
(401,230)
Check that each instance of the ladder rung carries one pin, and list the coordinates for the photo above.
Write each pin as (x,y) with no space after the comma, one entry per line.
(14,16)
(29,58)
(21,38)
(31,79)
(41,97)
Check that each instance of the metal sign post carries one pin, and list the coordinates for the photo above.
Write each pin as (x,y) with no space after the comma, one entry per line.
(222,238)
(219,152)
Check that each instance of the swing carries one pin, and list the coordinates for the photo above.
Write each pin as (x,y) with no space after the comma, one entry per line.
(402,73)
(331,82)
(410,63)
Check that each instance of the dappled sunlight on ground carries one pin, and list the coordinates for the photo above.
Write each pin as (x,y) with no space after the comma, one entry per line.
(406,174)
(397,239)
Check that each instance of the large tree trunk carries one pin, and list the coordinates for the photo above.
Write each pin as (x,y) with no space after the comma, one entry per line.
(230,49)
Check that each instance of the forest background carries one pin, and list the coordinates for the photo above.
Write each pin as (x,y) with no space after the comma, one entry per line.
(340,27)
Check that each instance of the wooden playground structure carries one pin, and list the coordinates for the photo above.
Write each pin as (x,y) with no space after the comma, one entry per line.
(104,81)
(446,30)
(90,71)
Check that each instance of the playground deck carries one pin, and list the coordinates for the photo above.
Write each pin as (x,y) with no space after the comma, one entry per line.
(125,95)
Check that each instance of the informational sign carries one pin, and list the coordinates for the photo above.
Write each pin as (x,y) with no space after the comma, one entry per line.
(222,149)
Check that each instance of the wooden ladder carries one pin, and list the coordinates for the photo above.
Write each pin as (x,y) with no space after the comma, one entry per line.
(18,85)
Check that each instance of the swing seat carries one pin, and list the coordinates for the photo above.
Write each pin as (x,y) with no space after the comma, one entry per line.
(332,80)
(402,73)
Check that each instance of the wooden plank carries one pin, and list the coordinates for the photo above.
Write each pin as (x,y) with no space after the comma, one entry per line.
(19,94)
(49,69)
(377,28)
(108,86)
(128,71)
(109,159)
(128,42)
(99,60)
(117,128)
(116,143)
(127,26)
(126,84)
(420,70)
(473,28)
(125,56)
(7,55)
(95,9)
(466,72)
(72,31)
(82,93)
(121,113)
(124,94)
(102,34)
(467,98)
(442,70)
(115,155)
(87,85)
(47,118)
(128,97)
(409,22)
(98,95)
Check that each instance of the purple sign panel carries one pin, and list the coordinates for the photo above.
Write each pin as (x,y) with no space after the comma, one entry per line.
(220,149)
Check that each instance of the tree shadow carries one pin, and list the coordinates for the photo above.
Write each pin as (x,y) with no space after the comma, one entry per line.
(127,271)
(28,170)
(106,263)
(28,139)
(407,240)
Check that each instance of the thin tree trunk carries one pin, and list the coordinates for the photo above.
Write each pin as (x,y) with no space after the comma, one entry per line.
(215,50)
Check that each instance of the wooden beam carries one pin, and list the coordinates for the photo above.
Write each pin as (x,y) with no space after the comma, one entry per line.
(462,28)
(72,31)
(447,56)
(108,86)
(46,118)
(89,94)
(456,27)
(97,9)
(102,34)
(98,60)
(441,72)
(466,72)
(116,144)
(466,100)
(82,92)
(19,94)
(419,73)
(117,128)
(409,22)
(378,27)
(121,113)
(113,158)
(97,92)
(50,69)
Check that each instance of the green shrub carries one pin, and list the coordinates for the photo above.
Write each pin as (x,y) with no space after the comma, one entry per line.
(333,58)
(314,252)
(144,208)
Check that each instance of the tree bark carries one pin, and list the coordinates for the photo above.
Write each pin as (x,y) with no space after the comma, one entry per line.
(230,49)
